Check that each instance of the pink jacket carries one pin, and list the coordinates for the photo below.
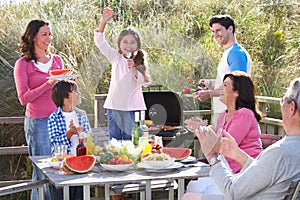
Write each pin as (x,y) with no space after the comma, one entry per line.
(125,91)
(33,88)
(245,129)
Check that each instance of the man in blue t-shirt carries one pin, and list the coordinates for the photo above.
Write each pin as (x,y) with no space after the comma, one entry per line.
(234,58)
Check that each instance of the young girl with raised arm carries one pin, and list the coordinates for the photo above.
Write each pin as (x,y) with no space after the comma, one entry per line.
(128,75)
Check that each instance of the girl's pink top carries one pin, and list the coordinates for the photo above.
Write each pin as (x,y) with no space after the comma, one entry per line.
(245,129)
(125,91)
(33,88)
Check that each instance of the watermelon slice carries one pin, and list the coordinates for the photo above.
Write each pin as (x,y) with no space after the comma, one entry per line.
(177,153)
(59,72)
(80,164)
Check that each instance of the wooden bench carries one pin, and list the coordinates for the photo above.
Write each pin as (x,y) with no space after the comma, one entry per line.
(294,190)
(24,187)
(159,185)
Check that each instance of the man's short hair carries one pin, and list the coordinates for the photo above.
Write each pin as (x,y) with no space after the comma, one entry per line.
(224,20)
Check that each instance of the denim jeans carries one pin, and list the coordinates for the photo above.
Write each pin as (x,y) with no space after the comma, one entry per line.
(38,141)
(120,124)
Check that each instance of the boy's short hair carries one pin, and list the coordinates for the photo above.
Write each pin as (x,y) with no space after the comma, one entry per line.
(224,20)
(61,90)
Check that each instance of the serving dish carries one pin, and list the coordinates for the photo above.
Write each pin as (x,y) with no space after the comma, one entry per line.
(62,77)
(148,168)
(119,168)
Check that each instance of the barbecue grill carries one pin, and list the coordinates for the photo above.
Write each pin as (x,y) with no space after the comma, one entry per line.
(165,109)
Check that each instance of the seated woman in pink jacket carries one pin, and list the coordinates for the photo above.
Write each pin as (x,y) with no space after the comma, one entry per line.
(240,120)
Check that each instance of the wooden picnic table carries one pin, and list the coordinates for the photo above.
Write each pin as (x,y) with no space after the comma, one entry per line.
(99,176)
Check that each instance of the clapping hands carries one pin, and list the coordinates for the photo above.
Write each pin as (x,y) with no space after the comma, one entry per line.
(194,123)
(210,142)
(73,130)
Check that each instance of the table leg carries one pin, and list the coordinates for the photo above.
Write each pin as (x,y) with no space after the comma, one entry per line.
(171,193)
(106,191)
(148,190)
(66,193)
(86,192)
(142,195)
(41,192)
(180,188)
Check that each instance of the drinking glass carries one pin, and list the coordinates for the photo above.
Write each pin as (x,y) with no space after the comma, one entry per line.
(60,151)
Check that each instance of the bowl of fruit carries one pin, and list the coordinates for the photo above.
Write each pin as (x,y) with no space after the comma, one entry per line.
(113,162)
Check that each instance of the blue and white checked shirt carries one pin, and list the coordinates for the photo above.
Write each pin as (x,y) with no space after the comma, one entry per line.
(57,127)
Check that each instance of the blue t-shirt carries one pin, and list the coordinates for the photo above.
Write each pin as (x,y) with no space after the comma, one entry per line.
(237,59)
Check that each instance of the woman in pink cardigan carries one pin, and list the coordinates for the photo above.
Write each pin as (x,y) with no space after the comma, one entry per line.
(240,120)
(34,89)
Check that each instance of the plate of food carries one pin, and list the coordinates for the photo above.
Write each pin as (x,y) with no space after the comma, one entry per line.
(157,160)
(119,168)
(171,167)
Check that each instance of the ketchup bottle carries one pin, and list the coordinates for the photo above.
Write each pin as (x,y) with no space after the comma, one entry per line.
(81,149)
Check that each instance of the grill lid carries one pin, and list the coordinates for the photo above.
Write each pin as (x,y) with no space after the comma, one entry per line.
(164,108)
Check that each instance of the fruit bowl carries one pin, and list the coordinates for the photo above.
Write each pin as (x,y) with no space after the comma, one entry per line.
(121,167)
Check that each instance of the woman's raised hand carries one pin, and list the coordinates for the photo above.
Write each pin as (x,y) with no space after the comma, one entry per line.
(194,123)
(210,141)
(230,149)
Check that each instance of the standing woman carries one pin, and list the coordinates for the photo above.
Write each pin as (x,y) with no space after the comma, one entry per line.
(34,89)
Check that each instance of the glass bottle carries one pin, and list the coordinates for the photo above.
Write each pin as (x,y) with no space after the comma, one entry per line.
(81,149)
(90,146)
(136,131)
(142,122)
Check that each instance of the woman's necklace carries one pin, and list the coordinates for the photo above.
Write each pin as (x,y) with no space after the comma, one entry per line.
(227,117)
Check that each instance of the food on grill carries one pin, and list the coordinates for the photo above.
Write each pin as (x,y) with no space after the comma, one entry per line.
(177,153)
(80,164)
(148,122)
(59,72)
(163,127)
(171,128)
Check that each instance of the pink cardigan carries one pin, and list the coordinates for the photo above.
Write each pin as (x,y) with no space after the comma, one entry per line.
(125,91)
(33,88)
(245,129)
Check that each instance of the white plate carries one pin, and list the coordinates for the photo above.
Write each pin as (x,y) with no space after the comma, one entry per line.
(188,159)
(117,167)
(175,165)
(158,164)
(63,77)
